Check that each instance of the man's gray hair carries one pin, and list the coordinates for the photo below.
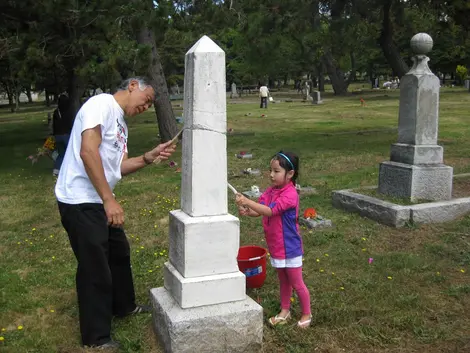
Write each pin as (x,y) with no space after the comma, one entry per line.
(143,82)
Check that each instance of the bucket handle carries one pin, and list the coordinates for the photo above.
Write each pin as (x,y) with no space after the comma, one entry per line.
(255,258)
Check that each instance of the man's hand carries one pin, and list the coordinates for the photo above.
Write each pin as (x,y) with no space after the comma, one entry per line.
(163,150)
(114,212)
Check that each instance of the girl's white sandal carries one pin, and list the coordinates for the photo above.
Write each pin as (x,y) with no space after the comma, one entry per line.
(279,320)
(305,323)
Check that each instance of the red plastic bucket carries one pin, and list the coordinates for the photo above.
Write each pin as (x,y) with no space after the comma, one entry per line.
(252,262)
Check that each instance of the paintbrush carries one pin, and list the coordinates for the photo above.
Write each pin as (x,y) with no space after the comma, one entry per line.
(173,141)
(232,188)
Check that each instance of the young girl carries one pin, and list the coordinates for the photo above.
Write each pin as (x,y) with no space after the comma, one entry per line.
(279,206)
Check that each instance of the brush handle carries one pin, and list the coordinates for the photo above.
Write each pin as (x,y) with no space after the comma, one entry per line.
(173,141)
(232,188)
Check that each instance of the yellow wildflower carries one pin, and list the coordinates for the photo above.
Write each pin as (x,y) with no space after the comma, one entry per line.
(20,327)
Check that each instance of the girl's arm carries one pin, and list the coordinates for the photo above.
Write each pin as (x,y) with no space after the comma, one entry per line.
(245,211)
(259,209)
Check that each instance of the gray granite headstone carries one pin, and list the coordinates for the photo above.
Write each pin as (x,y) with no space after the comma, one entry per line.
(415,169)
(234,93)
(316,98)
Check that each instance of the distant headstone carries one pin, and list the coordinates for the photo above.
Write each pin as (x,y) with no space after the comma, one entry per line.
(250,171)
(316,98)
(315,223)
(234,93)
(253,193)
(467,84)
(242,155)
(306,91)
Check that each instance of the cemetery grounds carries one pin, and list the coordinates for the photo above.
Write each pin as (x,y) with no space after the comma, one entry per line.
(414,296)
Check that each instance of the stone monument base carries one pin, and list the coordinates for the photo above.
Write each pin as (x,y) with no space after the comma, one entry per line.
(416,182)
(395,215)
(416,154)
(234,327)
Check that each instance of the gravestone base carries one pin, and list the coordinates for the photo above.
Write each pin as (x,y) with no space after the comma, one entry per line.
(235,327)
(416,182)
(315,223)
(416,154)
(395,215)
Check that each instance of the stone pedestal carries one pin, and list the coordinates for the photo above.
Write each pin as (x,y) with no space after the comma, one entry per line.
(417,182)
(203,306)
(222,328)
(415,169)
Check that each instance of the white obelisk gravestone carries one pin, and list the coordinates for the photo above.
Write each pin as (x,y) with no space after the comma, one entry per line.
(203,306)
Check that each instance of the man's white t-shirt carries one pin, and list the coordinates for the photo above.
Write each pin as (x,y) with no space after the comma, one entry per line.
(263,91)
(73,185)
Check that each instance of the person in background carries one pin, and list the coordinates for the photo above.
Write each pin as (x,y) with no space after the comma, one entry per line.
(62,122)
(264,94)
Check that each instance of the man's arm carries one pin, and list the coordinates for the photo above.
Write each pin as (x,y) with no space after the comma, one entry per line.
(131,165)
(90,155)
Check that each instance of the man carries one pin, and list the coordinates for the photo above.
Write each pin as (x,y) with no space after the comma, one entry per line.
(264,94)
(94,162)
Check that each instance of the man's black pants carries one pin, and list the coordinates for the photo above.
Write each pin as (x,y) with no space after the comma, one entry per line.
(264,102)
(104,276)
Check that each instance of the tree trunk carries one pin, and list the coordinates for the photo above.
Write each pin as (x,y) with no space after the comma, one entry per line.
(17,98)
(340,85)
(10,95)
(75,90)
(321,78)
(390,50)
(28,94)
(48,100)
(352,75)
(163,109)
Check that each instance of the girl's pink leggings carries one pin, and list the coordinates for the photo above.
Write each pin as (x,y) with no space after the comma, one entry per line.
(292,278)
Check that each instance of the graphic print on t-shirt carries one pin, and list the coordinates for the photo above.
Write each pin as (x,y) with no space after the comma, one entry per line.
(121,143)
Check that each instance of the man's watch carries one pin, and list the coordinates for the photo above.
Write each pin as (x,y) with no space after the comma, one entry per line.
(146,161)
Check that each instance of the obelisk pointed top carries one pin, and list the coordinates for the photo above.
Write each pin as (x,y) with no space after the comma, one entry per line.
(205,45)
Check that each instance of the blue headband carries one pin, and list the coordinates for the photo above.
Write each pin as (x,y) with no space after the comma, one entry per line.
(287,158)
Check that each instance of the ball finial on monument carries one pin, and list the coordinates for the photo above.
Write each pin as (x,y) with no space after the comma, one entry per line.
(421,43)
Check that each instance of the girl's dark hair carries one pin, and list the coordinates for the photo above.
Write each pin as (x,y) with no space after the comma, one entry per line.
(289,163)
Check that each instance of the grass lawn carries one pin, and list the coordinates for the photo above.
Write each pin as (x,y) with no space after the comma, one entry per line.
(414,297)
